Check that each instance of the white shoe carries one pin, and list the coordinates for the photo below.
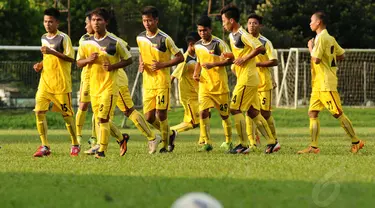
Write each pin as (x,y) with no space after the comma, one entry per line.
(153,144)
(93,150)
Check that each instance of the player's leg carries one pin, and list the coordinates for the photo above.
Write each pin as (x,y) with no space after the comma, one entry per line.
(205,103)
(41,107)
(188,120)
(239,103)
(84,101)
(265,109)
(93,139)
(95,102)
(333,103)
(315,107)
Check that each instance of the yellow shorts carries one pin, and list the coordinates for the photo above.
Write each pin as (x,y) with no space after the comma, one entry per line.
(103,106)
(265,99)
(156,99)
(244,97)
(84,92)
(218,101)
(328,99)
(124,100)
(189,100)
(61,102)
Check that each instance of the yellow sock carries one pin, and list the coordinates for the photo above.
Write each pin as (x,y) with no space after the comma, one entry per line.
(182,127)
(141,124)
(104,129)
(165,131)
(240,124)
(156,124)
(80,120)
(205,130)
(115,132)
(69,123)
(41,125)
(227,126)
(271,124)
(346,124)
(250,130)
(263,127)
(93,127)
(314,131)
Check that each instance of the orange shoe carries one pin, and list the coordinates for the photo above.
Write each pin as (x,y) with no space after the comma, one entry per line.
(74,151)
(357,147)
(42,151)
(310,149)
(124,144)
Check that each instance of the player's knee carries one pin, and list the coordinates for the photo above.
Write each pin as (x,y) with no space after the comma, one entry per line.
(103,120)
(337,115)
(83,106)
(40,112)
(161,114)
(204,114)
(234,112)
(128,112)
(266,114)
(252,112)
(224,117)
(313,114)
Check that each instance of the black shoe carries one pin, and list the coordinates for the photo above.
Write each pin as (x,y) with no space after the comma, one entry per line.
(163,150)
(171,141)
(238,149)
(99,155)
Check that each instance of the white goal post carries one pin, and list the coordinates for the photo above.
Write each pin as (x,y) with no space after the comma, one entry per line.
(356,75)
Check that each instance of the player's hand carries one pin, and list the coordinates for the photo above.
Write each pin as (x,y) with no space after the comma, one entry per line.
(107,65)
(156,65)
(196,76)
(141,67)
(46,50)
(92,58)
(226,55)
(208,65)
(239,61)
(310,44)
(274,85)
(38,66)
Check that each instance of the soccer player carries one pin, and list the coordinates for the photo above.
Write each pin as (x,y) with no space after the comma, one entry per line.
(104,54)
(264,62)
(84,98)
(55,84)
(213,82)
(325,52)
(156,49)
(188,87)
(245,94)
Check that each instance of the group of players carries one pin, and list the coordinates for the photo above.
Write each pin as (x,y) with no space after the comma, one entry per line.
(203,83)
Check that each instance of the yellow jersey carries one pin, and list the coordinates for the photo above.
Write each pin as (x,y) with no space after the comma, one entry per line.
(55,77)
(214,80)
(265,77)
(85,74)
(324,74)
(184,73)
(159,47)
(242,43)
(110,48)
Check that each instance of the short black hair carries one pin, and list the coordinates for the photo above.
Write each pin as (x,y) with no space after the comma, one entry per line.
(255,16)
(88,14)
(101,12)
(231,11)
(204,21)
(52,12)
(192,37)
(150,10)
(322,16)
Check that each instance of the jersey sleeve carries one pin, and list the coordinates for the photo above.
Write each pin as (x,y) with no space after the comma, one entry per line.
(122,50)
(339,51)
(250,41)
(318,49)
(171,46)
(68,48)
(179,70)
(270,51)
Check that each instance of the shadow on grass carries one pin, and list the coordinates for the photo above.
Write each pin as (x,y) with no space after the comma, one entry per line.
(67,190)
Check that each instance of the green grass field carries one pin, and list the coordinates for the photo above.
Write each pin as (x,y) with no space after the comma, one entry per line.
(334,178)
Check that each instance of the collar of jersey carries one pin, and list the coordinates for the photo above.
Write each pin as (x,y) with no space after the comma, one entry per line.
(58,32)
(239,29)
(157,31)
(323,31)
(106,33)
(212,37)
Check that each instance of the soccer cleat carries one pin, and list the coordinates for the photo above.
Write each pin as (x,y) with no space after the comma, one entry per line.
(42,151)
(310,149)
(93,150)
(358,146)
(99,155)
(171,141)
(226,146)
(92,141)
(163,150)
(74,151)
(252,148)
(153,144)
(238,149)
(124,144)
(206,148)
(271,148)
(201,141)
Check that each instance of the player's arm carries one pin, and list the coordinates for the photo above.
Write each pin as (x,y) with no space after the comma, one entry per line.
(253,43)
(178,57)
(227,58)
(47,50)
(272,60)
(82,62)
(122,51)
(197,71)
(38,66)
